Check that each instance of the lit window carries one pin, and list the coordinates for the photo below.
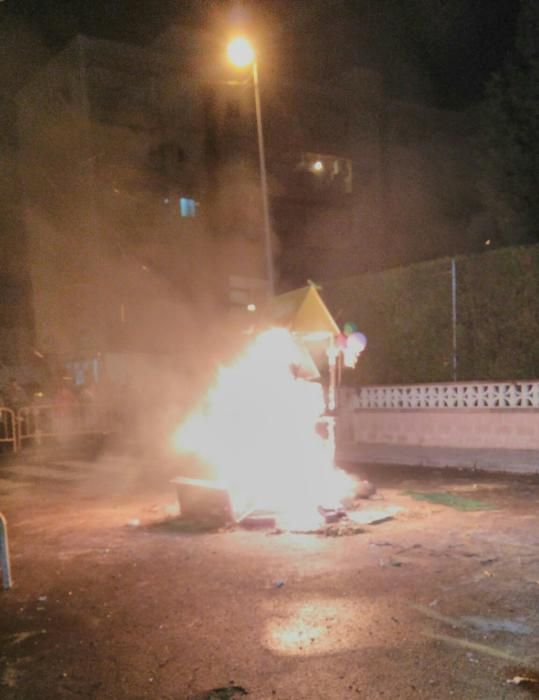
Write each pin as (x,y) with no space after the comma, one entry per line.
(331,171)
(188,207)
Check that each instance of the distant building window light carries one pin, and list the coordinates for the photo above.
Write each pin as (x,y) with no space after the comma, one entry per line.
(330,171)
(188,208)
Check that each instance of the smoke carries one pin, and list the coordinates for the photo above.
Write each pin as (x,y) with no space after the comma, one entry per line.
(113,137)
(20,51)
(138,209)
(361,83)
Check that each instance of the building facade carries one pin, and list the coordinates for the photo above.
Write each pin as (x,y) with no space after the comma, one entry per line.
(141,188)
(112,166)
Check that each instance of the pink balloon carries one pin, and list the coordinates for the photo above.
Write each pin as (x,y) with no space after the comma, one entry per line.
(341,341)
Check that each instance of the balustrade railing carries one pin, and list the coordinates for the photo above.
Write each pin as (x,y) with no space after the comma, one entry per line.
(479,395)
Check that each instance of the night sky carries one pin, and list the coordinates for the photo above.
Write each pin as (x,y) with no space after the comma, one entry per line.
(451,45)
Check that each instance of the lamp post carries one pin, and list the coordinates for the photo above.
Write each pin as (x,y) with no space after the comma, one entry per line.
(241,54)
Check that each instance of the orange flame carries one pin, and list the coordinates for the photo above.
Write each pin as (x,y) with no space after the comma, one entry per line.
(257,429)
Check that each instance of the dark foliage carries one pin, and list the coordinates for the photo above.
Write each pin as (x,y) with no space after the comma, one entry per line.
(406,314)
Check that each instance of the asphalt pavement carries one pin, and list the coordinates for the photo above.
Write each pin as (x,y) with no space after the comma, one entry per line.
(114,597)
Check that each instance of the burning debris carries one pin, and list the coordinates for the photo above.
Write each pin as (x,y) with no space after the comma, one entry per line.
(208,503)
(266,429)
(343,528)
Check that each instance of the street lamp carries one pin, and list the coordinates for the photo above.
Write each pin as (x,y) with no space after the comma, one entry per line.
(242,54)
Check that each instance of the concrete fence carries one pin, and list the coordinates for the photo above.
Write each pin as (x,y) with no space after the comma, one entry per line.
(460,416)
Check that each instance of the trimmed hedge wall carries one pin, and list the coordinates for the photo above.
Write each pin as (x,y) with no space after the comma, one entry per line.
(406,315)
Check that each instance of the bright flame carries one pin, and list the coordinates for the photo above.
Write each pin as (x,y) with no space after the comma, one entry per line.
(257,429)
(240,52)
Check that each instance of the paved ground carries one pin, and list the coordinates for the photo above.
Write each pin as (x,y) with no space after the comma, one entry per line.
(434,604)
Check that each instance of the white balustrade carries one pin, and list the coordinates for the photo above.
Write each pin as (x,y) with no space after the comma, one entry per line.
(519,395)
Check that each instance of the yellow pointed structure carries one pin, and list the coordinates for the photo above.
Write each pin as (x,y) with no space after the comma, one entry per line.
(302,311)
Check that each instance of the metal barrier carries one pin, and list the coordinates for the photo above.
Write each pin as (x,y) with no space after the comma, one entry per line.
(36,424)
(8,428)
(4,554)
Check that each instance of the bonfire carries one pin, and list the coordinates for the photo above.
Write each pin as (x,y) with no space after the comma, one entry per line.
(265,431)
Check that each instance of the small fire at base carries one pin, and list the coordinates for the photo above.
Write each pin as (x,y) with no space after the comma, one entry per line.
(208,502)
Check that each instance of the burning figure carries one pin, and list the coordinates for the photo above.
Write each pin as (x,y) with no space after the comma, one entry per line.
(257,429)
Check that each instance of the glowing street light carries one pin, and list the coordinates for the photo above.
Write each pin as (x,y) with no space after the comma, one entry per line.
(242,54)
(318,166)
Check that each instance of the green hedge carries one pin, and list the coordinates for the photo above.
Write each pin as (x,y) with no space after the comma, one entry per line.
(406,314)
